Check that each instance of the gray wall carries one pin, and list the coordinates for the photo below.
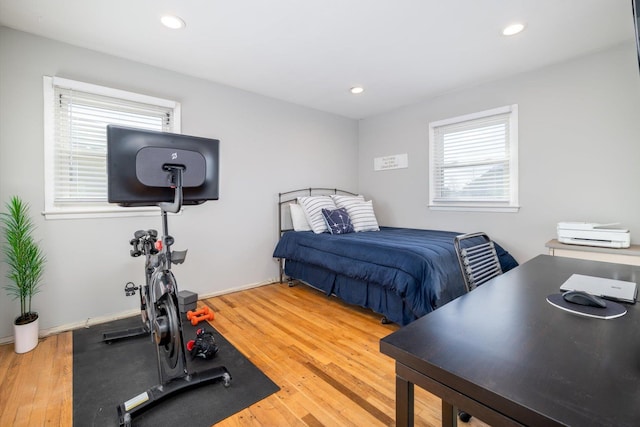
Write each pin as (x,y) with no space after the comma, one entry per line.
(267,146)
(579,153)
(579,145)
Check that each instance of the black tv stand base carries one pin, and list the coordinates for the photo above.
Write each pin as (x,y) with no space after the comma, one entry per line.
(140,403)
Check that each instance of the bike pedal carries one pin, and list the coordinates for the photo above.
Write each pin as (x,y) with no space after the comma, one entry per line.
(130,289)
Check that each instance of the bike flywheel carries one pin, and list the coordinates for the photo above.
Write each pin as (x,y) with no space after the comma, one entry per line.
(168,337)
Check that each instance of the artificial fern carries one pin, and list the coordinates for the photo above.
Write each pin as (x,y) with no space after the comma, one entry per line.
(23,256)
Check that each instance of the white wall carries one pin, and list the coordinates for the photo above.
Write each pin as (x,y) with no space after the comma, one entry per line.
(579,143)
(267,146)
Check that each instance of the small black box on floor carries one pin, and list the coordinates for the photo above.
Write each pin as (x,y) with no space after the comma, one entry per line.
(187,300)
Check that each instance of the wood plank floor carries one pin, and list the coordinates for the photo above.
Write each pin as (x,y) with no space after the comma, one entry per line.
(36,387)
(322,353)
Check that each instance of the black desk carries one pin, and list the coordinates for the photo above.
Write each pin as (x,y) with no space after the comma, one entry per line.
(505,355)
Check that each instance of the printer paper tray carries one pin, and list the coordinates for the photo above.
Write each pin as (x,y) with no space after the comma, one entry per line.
(600,243)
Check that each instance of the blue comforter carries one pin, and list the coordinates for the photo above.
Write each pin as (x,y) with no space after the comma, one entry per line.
(418,265)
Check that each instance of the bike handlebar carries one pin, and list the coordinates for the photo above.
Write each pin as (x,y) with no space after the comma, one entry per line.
(143,242)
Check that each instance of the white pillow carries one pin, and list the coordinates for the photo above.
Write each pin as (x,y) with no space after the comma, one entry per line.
(312,206)
(298,218)
(362,216)
(342,201)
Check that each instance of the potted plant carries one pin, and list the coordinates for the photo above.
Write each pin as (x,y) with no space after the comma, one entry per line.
(25,261)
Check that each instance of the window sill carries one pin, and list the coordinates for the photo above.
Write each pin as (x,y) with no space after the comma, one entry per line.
(462,208)
(114,212)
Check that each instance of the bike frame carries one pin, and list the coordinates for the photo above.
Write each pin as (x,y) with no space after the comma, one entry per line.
(159,312)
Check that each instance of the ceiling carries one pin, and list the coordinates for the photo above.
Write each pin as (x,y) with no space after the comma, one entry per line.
(311,52)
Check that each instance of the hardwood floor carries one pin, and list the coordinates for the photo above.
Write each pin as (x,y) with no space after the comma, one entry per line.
(321,352)
(36,387)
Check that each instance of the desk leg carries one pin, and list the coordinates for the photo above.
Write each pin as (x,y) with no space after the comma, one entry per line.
(449,415)
(404,402)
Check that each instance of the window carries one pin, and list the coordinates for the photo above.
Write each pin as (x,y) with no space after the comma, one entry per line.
(76,115)
(474,161)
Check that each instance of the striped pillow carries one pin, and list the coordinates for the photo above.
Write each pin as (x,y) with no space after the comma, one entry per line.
(362,216)
(312,206)
(342,201)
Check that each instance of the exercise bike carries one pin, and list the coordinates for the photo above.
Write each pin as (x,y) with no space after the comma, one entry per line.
(160,314)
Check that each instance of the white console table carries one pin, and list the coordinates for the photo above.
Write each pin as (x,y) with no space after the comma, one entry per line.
(630,255)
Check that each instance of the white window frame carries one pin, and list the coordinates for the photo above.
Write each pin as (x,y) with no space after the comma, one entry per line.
(436,165)
(89,209)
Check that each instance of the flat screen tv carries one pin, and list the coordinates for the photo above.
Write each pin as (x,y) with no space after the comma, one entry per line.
(139,163)
(636,22)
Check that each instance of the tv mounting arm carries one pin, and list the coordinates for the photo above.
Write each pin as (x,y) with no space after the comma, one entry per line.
(175,178)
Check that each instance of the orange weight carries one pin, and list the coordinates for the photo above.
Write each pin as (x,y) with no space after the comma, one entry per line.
(198,312)
(197,319)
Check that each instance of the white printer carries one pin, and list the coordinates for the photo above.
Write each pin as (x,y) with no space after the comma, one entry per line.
(592,234)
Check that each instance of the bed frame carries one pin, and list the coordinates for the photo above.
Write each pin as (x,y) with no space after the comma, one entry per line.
(292,197)
(385,299)
(284,225)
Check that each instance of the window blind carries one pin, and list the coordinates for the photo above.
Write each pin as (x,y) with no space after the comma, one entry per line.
(474,160)
(80,141)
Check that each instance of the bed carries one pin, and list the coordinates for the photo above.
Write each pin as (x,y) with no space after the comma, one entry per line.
(400,273)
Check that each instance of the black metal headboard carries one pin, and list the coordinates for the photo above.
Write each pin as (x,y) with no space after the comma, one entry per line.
(284,218)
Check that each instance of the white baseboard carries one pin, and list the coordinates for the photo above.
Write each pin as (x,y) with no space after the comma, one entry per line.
(128,313)
(238,289)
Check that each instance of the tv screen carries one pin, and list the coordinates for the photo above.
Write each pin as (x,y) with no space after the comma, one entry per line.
(139,163)
(636,22)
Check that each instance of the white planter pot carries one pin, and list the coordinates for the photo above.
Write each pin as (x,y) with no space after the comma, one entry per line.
(25,336)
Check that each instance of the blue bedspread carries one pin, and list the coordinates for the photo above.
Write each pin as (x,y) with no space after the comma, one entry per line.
(418,265)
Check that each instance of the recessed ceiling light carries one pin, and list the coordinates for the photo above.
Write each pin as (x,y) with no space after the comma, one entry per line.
(356,90)
(512,29)
(172,21)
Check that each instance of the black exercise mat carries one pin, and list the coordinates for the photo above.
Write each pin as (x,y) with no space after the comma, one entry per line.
(105,375)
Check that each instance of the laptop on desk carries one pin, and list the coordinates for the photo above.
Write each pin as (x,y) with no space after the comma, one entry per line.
(616,290)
